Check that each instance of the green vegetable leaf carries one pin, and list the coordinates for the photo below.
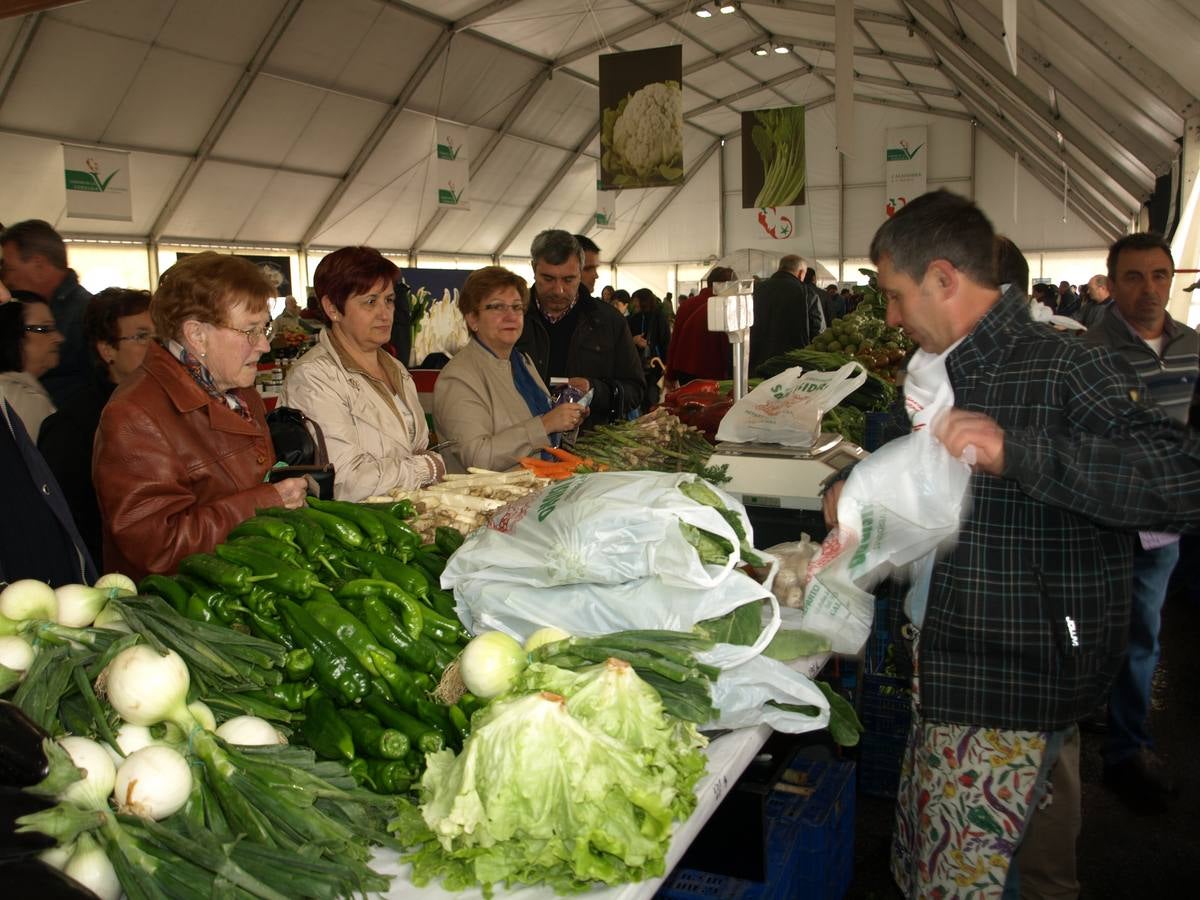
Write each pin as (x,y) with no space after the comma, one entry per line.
(796,643)
(844,724)
(739,626)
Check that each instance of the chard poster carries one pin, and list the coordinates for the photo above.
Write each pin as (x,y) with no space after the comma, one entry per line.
(773,161)
(905,169)
(641,118)
(451,166)
(98,183)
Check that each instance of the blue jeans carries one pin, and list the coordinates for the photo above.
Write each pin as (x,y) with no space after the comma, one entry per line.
(1129,697)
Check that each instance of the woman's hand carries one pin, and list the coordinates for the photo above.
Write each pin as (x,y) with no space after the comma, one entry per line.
(292,492)
(437,465)
(564,417)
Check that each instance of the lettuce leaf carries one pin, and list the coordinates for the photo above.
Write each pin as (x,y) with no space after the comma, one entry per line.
(569,787)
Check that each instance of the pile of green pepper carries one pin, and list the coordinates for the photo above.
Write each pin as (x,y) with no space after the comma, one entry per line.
(351,593)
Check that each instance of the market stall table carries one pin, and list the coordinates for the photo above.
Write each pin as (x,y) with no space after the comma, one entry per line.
(728,756)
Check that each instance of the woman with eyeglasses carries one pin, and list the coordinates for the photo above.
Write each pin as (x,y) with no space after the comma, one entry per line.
(117,329)
(183,445)
(29,348)
(489,399)
(362,397)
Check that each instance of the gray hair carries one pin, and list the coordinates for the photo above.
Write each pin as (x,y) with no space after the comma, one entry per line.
(555,247)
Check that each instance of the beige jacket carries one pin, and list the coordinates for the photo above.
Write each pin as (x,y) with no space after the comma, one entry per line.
(476,404)
(372,448)
(28,398)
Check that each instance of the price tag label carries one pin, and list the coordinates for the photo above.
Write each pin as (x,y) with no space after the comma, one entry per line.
(719,786)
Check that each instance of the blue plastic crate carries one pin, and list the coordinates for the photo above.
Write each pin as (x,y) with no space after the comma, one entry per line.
(885,708)
(810,842)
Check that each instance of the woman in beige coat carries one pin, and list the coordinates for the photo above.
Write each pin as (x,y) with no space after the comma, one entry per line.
(488,399)
(364,400)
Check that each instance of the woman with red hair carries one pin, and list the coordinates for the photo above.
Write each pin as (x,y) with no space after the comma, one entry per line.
(364,400)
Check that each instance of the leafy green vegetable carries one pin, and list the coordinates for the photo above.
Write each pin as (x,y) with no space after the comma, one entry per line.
(713,549)
(739,626)
(700,492)
(795,643)
(779,139)
(567,789)
(844,725)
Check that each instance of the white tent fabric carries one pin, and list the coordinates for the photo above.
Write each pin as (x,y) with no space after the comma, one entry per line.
(308,124)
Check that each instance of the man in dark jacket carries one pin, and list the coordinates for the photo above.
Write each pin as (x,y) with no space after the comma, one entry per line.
(787,312)
(35,259)
(570,334)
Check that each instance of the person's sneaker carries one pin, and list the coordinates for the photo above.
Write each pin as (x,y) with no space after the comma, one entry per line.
(1141,782)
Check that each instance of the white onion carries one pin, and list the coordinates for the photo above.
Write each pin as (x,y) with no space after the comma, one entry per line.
(250,731)
(490,664)
(547,635)
(78,604)
(203,715)
(90,867)
(110,617)
(153,783)
(29,599)
(130,739)
(16,653)
(57,856)
(146,687)
(114,584)
(97,769)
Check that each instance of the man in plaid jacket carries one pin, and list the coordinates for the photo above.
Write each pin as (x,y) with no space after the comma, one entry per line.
(1025,620)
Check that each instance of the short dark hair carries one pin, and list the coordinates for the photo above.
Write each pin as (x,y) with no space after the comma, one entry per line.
(1011,265)
(586,244)
(1141,240)
(37,236)
(482,283)
(555,247)
(720,275)
(350,271)
(938,225)
(103,311)
(620,294)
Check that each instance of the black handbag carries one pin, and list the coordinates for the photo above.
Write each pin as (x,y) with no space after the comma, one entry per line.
(300,446)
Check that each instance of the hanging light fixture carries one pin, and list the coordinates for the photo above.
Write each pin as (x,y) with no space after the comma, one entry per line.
(727,8)
(704,12)
(760,50)
(781,48)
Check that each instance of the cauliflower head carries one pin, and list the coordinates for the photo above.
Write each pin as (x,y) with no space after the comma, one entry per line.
(646,137)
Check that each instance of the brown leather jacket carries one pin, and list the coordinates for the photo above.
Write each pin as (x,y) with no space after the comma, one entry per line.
(174,469)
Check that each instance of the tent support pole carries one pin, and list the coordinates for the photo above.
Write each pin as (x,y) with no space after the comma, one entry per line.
(841,217)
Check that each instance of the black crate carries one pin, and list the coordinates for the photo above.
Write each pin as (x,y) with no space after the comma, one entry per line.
(885,708)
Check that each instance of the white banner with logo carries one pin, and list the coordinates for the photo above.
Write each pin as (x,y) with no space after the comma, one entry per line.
(451,167)
(98,183)
(905,165)
(606,208)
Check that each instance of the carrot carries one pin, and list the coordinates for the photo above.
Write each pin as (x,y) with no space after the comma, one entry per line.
(562,455)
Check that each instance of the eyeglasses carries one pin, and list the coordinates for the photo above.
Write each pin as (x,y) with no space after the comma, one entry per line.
(253,334)
(504,307)
(142,337)
(41,329)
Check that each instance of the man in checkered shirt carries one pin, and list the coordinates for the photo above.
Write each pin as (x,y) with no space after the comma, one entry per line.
(1024,625)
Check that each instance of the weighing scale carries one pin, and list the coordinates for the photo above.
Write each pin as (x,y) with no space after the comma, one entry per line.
(779,486)
(777,477)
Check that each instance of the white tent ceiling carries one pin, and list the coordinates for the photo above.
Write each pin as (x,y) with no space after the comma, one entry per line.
(309,122)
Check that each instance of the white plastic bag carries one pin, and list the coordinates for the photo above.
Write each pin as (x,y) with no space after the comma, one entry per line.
(787,409)
(588,610)
(741,694)
(606,528)
(899,506)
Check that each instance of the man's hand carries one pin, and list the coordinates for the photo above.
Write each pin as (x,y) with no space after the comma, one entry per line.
(958,429)
(639,342)
(580,384)
(829,503)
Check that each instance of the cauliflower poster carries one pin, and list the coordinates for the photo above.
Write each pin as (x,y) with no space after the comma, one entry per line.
(641,118)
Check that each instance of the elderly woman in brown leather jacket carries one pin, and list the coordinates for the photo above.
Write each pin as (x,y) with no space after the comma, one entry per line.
(183,444)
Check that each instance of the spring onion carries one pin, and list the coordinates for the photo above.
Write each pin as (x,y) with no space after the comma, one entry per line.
(16,653)
(153,783)
(114,584)
(79,604)
(28,599)
(490,664)
(250,731)
(92,790)
(89,866)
